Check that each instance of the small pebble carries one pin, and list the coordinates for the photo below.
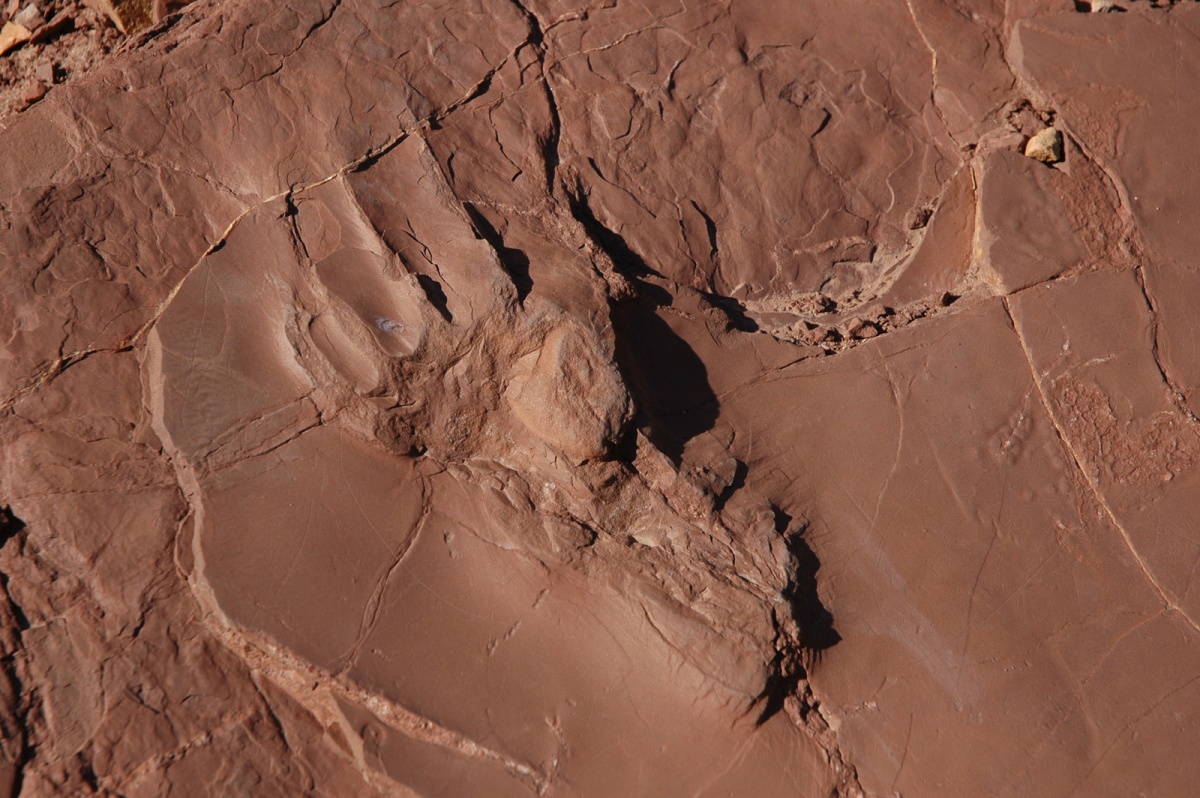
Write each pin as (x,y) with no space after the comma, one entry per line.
(36,91)
(861,329)
(1103,6)
(1046,146)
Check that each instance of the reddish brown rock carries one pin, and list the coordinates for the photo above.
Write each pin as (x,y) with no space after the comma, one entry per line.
(661,399)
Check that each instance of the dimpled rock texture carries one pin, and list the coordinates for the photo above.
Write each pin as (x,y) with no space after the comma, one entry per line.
(498,398)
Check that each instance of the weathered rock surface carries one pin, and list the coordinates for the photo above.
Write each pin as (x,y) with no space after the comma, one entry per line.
(671,398)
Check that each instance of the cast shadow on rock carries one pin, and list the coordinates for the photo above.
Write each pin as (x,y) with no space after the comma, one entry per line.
(737,483)
(436,295)
(813,619)
(514,261)
(10,525)
(625,260)
(734,310)
(668,380)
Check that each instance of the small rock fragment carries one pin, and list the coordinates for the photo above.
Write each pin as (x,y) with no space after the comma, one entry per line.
(861,329)
(45,72)
(30,17)
(13,35)
(1046,146)
(1103,6)
(130,16)
(36,91)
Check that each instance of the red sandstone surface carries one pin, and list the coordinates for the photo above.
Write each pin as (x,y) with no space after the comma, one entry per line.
(528,397)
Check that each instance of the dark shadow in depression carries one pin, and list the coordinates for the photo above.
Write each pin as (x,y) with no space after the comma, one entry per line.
(813,620)
(514,261)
